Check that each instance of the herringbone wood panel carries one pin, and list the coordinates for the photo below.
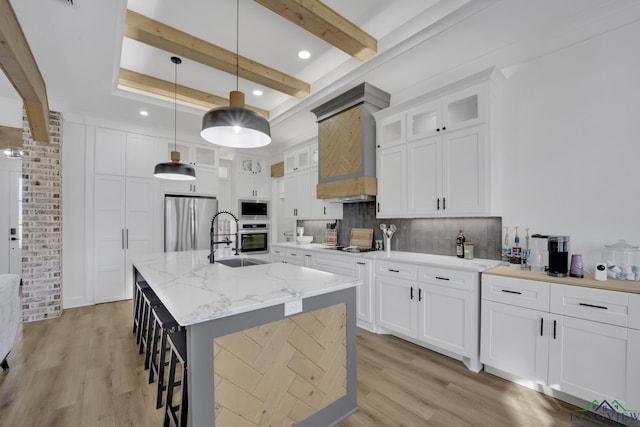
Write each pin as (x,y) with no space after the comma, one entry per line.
(280,373)
(339,143)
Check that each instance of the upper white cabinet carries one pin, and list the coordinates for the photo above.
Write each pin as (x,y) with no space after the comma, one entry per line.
(253,179)
(446,141)
(193,154)
(204,160)
(300,182)
(125,154)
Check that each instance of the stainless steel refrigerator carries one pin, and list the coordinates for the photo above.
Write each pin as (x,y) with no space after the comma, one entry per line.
(187,221)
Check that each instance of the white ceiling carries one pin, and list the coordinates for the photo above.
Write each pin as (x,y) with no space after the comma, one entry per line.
(421,43)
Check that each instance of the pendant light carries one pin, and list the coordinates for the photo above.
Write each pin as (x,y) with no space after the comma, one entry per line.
(236,126)
(174,169)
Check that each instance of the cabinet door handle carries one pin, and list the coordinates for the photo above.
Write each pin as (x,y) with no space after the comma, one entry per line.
(378,206)
(541,325)
(511,292)
(554,329)
(394,270)
(412,292)
(419,294)
(438,130)
(438,203)
(444,128)
(122,237)
(325,210)
(126,234)
(442,278)
(602,307)
(444,203)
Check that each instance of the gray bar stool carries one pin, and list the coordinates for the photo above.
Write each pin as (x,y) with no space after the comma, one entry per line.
(163,324)
(177,414)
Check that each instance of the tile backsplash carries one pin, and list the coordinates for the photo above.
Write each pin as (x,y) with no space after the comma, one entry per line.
(425,235)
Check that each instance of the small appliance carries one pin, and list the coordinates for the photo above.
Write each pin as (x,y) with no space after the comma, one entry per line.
(576,266)
(558,256)
(539,256)
(253,210)
(601,271)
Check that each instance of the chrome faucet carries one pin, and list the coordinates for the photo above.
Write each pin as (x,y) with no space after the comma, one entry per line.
(227,240)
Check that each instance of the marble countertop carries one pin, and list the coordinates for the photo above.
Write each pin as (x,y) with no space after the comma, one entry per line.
(195,291)
(429,260)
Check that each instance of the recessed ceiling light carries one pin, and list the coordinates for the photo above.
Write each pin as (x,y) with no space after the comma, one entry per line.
(257,92)
(304,54)
(144,113)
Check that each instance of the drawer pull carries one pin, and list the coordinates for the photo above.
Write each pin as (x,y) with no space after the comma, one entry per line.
(442,278)
(293,254)
(309,255)
(361,263)
(511,292)
(584,304)
(394,271)
(541,325)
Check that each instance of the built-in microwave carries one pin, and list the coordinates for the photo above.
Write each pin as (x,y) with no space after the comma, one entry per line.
(253,210)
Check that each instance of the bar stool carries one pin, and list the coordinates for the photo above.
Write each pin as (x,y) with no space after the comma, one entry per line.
(177,414)
(149,302)
(137,300)
(163,324)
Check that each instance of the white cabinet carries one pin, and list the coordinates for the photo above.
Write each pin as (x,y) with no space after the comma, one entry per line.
(572,339)
(286,255)
(391,201)
(449,311)
(319,208)
(301,158)
(396,296)
(433,152)
(204,161)
(122,209)
(365,297)
(297,200)
(515,327)
(252,178)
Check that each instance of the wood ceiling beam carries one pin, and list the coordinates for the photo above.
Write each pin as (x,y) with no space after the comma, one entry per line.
(10,137)
(186,94)
(325,23)
(20,67)
(146,30)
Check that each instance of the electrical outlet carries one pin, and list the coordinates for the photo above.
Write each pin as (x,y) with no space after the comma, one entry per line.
(292,307)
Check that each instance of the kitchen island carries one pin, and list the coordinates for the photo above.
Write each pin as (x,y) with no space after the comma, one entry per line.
(269,344)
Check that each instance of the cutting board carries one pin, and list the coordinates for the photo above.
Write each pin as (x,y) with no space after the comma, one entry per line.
(361,237)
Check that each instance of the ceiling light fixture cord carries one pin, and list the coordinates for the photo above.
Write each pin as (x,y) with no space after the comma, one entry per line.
(175,107)
(237,41)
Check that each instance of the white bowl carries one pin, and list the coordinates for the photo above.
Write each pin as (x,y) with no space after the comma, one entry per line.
(304,239)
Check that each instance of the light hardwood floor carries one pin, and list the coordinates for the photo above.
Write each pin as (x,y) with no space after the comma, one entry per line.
(83,369)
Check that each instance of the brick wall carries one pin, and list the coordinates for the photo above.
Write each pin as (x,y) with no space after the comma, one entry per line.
(42,223)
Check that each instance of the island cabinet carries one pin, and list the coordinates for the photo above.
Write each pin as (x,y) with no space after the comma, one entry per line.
(580,342)
(432,153)
(293,256)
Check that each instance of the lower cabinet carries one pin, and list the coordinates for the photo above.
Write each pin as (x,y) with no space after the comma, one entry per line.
(291,256)
(576,341)
(397,310)
(364,296)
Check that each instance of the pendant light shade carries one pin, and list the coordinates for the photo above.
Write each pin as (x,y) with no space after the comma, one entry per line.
(175,170)
(236,126)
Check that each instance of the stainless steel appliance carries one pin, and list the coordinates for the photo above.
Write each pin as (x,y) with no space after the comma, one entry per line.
(253,210)
(254,238)
(187,221)
(558,256)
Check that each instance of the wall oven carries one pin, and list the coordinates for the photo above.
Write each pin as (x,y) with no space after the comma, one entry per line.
(253,210)
(254,238)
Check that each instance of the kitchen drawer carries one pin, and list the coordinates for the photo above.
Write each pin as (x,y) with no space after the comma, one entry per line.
(522,293)
(395,269)
(634,311)
(339,264)
(463,280)
(591,304)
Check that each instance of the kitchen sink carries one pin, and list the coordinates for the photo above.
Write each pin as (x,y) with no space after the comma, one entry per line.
(241,262)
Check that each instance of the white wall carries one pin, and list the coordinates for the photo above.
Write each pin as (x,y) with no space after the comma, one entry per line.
(571,137)
(74,292)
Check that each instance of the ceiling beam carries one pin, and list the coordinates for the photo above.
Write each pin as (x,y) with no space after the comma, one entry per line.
(186,94)
(146,30)
(10,137)
(325,23)
(19,65)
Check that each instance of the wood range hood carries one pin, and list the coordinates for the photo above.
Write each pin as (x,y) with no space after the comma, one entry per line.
(347,144)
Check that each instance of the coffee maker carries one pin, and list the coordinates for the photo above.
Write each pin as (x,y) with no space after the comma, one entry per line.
(558,256)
